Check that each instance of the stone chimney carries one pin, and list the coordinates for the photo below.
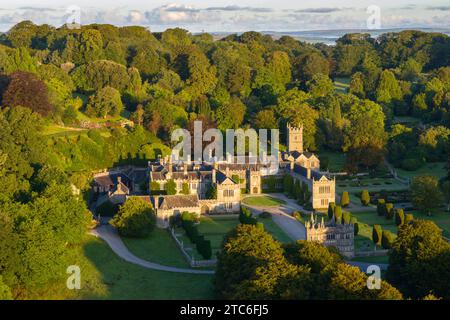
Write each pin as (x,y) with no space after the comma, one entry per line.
(213,175)
(185,169)
(227,171)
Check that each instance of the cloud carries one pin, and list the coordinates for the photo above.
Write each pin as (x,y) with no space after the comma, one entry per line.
(238,8)
(177,13)
(439,8)
(319,10)
(135,16)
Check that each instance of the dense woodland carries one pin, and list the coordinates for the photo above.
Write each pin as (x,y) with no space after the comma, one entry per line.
(92,76)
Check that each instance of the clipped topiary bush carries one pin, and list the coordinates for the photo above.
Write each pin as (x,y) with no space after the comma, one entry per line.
(387,238)
(365,198)
(345,199)
(399,217)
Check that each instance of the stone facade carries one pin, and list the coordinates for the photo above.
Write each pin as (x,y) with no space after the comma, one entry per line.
(332,233)
(304,166)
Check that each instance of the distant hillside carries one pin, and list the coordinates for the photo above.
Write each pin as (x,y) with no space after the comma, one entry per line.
(330,36)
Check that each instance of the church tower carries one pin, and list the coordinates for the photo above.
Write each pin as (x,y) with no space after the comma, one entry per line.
(294,138)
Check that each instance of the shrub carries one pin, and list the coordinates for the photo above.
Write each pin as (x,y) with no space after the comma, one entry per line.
(204,248)
(365,198)
(355,226)
(387,238)
(346,217)
(381,207)
(246,217)
(185,189)
(135,218)
(412,164)
(345,199)
(377,234)
(399,217)
(171,187)
(265,215)
(297,215)
(389,213)
(408,218)
(338,213)
(331,207)
(107,209)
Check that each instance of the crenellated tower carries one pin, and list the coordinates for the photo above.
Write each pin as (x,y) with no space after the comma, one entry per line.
(294,138)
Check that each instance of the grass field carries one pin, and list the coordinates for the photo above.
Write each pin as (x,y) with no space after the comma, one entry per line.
(441,218)
(366,221)
(215,228)
(341,84)
(263,201)
(159,248)
(106,276)
(336,160)
(437,169)
(379,259)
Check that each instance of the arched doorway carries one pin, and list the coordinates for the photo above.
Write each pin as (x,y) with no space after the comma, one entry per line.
(205,210)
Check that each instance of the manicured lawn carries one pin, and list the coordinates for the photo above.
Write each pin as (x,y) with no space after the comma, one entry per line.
(341,84)
(441,218)
(436,169)
(336,160)
(366,221)
(263,201)
(370,184)
(106,276)
(380,259)
(271,227)
(158,248)
(60,131)
(215,228)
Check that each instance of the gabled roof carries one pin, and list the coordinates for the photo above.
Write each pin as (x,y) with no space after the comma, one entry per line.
(221,178)
(110,179)
(178,201)
(316,175)
(296,154)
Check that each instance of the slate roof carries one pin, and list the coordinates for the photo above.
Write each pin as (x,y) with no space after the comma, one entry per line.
(304,172)
(296,154)
(178,201)
(110,180)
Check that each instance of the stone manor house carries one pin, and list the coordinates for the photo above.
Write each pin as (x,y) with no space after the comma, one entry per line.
(229,180)
(332,233)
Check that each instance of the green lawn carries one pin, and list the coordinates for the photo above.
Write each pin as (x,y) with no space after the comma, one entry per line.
(372,185)
(263,201)
(366,220)
(341,84)
(215,228)
(441,218)
(159,248)
(380,259)
(106,276)
(336,160)
(437,169)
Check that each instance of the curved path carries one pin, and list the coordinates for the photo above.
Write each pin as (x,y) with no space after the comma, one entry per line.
(110,236)
(281,215)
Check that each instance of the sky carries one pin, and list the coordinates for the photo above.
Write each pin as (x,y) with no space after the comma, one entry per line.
(233,16)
